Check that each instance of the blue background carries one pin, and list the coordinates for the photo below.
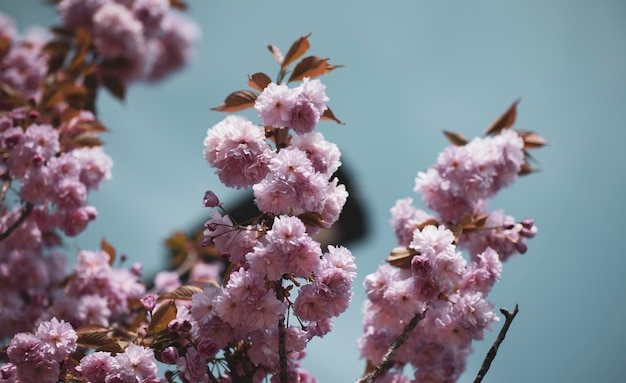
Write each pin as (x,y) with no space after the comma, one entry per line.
(412,69)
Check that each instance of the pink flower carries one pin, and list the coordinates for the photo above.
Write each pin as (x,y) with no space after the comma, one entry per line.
(314,91)
(304,116)
(118,35)
(400,294)
(405,218)
(202,304)
(23,69)
(42,140)
(274,105)
(431,240)
(96,366)
(237,148)
(95,166)
(171,47)
(58,338)
(193,366)
(324,155)
(25,348)
(138,362)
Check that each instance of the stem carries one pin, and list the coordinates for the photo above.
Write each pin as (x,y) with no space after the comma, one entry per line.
(211,377)
(25,213)
(491,354)
(282,352)
(387,360)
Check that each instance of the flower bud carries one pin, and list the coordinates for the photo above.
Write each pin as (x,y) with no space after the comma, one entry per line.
(149,302)
(210,199)
(169,355)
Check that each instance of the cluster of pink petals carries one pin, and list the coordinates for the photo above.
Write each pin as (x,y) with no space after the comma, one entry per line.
(138,40)
(56,183)
(37,357)
(237,149)
(136,364)
(450,294)
(465,176)
(23,65)
(461,183)
(297,108)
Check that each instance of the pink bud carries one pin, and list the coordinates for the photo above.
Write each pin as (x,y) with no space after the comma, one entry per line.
(210,199)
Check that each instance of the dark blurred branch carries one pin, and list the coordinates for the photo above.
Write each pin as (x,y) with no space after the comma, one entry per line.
(25,213)
(386,361)
(491,354)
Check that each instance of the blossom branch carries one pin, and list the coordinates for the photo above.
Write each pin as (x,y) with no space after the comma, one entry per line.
(387,360)
(491,354)
(25,213)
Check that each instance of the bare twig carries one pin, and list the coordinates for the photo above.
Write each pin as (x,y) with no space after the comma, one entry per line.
(491,354)
(387,360)
(282,351)
(25,213)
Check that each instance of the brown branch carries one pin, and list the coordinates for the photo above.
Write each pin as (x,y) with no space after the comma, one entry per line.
(491,354)
(282,351)
(25,213)
(387,360)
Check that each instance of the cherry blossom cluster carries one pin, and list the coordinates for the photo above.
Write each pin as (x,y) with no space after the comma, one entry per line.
(135,40)
(428,276)
(275,254)
(51,158)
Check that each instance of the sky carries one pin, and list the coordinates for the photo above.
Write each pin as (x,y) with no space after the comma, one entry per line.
(411,70)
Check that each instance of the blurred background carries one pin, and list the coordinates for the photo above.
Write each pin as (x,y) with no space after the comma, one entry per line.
(412,69)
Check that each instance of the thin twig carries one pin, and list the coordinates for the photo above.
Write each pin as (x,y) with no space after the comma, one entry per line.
(282,351)
(387,360)
(211,377)
(25,213)
(491,354)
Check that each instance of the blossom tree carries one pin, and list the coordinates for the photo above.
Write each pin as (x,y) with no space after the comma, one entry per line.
(246,295)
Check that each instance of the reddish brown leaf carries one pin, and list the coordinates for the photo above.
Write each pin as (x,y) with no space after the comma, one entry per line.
(181,292)
(99,341)
(109,249)
(313,218)
(526,169)
(456,139)
(5,45)
(162,316)
(178,4)
(91,328)
(69,113)
(115,86)
(431,221)
(276,53)
(57,52)
(90,126)
(457,230)
(297,49)
(329,115)
(531,139)
(505,120)
(311,66)
(480,220)
(259,81)
(236,101)
(83,42)
(401,257)
(86,140)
